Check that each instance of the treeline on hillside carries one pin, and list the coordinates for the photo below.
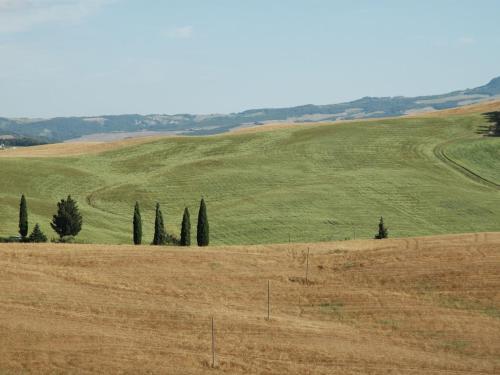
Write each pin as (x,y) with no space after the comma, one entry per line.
(21,141)
(494,119)
(67,223)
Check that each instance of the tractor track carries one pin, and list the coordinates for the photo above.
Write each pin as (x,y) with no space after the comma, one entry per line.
(440,153)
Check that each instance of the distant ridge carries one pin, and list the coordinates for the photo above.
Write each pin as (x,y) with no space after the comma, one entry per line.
(61,129)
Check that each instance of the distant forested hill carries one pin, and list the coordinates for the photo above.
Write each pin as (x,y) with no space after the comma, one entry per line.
(65,128)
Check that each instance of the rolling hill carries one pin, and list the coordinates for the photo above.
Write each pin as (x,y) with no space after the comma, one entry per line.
(315,182)
(121,126)
(399,306)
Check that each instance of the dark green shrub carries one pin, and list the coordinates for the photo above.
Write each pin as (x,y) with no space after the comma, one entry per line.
(37,235)
(383,232)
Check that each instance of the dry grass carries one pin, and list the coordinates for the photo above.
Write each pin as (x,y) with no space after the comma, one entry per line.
(483,107)
(75,148)
(403,306)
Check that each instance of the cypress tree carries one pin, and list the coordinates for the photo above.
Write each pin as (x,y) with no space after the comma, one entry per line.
(23,217)
(202,230)
(37,235)
(137,221)
(382,230)
(68,220)
(159,237)
(186,229)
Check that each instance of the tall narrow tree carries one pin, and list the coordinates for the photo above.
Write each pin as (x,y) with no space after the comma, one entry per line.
(186,229)
(202,230)
(382,230)
(159,237)
(23,217)
(137,221)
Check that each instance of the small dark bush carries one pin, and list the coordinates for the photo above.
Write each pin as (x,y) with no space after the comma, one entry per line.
(11,239)
(37,235)
(171,239)
(65,239)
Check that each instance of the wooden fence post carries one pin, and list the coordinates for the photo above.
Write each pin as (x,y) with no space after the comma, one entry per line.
(213,343)
(307,266)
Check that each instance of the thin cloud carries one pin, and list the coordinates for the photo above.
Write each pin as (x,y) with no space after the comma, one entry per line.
(466,41)
(24,15)
(9,5)
(183,32)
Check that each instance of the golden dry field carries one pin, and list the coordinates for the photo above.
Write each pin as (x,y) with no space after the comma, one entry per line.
(482,107)
(74,148)
(428,305)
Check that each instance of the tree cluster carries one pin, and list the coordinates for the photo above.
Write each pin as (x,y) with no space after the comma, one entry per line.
(67,222)
(162,237)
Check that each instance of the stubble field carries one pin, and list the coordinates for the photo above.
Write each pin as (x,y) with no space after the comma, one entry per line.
(399,306)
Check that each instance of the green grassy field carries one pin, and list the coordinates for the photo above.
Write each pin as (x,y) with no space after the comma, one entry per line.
(308,183)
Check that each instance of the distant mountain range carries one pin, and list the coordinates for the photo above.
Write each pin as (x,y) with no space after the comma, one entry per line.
(61,129)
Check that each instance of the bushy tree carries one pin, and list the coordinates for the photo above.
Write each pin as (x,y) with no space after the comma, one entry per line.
(137,221)
(68,220)
(23,217)
(186,229)
(159,237)
(202,230)
(37,235)
(383,232)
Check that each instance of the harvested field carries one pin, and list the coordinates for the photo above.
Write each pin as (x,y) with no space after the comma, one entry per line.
(401,306)
(74,148)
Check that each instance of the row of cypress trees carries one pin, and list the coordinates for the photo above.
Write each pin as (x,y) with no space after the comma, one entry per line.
(161,237)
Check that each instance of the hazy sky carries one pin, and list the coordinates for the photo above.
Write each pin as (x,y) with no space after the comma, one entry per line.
(91,57)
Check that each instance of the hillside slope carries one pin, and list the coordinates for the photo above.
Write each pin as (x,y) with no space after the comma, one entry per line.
(65,128)
(402,306)
(304,183)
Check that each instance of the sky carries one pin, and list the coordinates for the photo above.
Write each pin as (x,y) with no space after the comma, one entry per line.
(97,57)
